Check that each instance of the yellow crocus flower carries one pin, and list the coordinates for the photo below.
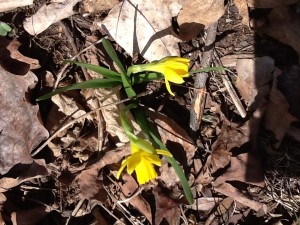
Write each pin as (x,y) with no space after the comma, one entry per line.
(142,162)
(172,67)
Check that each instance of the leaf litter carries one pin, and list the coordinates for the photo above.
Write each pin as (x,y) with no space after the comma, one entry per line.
(233,169)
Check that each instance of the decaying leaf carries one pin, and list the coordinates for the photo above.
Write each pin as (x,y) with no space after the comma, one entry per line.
(203,14)
(239,196)
(21,131)
(254,79)
(144,27)
(7,5)
(12,60)
(94,6)
(278,117)
(30,172)
(48,15)
(170,131)
(244,167)
(166,208)
(283,26)
(88,179)
(269,3)
(243,10)
(204,203)
(129,188)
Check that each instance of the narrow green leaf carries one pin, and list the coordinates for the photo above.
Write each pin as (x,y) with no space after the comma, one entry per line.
(125,78)
(208,69)
(112,54)
(97,83)
(98,69)
(178,170)
(151,133)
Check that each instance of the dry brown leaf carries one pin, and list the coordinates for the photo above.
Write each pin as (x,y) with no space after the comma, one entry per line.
(28,172)
(196,15)
(269,3)
(7,5)
(94,6)
(12,60)
(21,130)
(254,78)
(284,26)
(244,167)
(277,117)
(166,208)
(204,203)
(88,179)
(171,131)
(129,187)
(243,10)
(240,197)
(48,15)
(30,216)
(219,158)
(144,27)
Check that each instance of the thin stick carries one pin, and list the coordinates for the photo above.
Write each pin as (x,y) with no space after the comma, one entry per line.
(198,102)
(232,93)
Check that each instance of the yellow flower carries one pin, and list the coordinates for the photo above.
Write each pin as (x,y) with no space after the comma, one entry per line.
(172,67)
(142,162)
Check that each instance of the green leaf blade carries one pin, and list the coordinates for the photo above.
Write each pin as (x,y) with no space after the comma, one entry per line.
(96,83)
(98,69)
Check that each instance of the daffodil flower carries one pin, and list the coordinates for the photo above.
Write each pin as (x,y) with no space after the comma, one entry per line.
(142,162)
(172,67)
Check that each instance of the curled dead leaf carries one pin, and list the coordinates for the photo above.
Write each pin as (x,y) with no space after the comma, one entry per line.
(21,130)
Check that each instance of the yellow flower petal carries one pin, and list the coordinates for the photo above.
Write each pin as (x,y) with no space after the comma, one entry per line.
(172,76)
(164,152)
(145,172)
(168,87)
(124,163)
(132,162)
(153,158)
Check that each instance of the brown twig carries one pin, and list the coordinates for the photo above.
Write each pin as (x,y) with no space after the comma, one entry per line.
(198,101)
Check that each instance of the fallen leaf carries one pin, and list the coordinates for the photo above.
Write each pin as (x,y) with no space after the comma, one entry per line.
(48,15)
(129,187)
(7,5)
(166,208)
(88,179)
(28,172)
(95,6)
(170,131)
(191,22)
(240,197)
(144,27)
(204,203)
(269,3)
(245,168)
(254,79)
(243,11)
(12,60)
(283,26)
(31,216)
(277,116)
(21,130)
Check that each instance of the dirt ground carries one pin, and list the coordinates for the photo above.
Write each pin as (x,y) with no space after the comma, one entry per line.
(240,152)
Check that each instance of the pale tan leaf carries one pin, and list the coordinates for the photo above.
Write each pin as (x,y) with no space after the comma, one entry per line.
(7,5)
(254,77)
(48,15)
(144,27)
(94,6)
(191,22)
